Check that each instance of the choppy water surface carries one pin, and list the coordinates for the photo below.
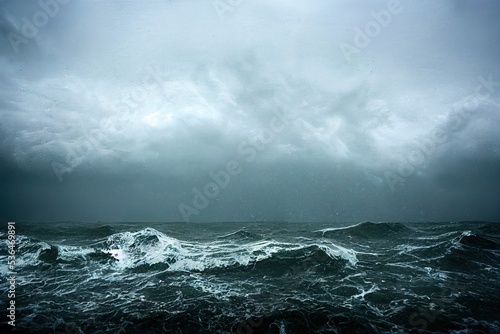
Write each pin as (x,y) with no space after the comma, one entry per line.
(256,277)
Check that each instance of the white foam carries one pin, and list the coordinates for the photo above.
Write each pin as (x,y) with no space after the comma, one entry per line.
(344,253)
(149,246)
(116,253)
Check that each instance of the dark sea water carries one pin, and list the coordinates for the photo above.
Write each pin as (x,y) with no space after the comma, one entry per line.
(254,278)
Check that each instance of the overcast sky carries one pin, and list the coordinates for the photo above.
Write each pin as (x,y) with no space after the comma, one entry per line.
(233,110)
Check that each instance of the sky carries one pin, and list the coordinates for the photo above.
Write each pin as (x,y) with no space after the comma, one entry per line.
(249,110)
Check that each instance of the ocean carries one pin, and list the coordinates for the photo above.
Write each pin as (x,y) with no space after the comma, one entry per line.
(252,277)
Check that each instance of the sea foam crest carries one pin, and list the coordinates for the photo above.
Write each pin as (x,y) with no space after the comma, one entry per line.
(150,247)
(147,246)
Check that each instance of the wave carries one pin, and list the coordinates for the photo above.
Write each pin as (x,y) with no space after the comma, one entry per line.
(247,279)
(367,230)
(456,251)
(479,242)
(149,249)
(241,235)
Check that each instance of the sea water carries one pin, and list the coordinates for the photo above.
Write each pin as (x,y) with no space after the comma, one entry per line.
(257,277)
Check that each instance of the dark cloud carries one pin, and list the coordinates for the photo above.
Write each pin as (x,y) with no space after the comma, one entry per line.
(124,111)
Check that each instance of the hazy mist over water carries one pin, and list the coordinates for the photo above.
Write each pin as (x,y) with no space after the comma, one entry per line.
(249,110)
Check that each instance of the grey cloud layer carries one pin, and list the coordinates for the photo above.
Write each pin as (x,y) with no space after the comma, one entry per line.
(118,110)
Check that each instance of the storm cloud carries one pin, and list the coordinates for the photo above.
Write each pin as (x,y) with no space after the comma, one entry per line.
(249,110)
